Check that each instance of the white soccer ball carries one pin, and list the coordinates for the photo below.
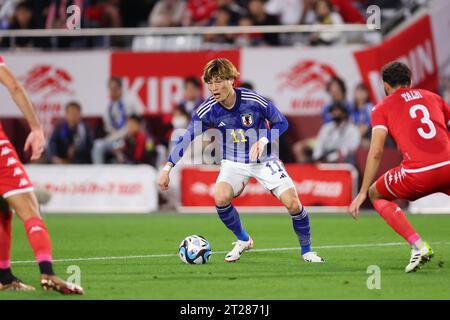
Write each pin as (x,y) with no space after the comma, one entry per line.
(194,249)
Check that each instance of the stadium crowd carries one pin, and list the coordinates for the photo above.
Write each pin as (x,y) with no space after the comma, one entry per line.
(52,14)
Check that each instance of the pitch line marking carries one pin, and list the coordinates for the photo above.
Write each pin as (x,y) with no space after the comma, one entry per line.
(347,246)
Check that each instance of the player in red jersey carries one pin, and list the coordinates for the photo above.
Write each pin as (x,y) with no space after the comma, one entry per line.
(16,193)
(419,122)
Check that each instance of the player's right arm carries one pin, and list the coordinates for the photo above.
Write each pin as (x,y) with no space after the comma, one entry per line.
(379,134)
(195,128)
(35,139)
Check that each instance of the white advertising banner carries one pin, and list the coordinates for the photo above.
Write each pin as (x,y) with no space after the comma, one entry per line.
(440,25)
(434,203)
(97,189)
(295,78)
(53,79)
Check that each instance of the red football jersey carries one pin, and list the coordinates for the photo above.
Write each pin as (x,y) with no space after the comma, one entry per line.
(417,120)
(2,134)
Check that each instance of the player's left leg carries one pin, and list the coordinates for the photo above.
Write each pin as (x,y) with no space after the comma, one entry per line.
(26,207)
(300,222)
(274,177)
(382,195)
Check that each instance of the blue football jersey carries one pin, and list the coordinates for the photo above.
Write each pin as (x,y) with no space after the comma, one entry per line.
(251,118)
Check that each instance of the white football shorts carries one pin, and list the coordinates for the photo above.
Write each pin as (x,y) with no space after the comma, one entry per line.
(271,174)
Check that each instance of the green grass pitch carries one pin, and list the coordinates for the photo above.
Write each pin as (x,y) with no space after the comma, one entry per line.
(348,246)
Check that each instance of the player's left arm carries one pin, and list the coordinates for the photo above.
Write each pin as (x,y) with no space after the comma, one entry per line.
(372,164)
(36,138)
(279,125)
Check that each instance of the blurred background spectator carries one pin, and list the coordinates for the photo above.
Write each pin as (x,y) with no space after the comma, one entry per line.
(260,17)
(71,140)
(192,95)
(222,17)
(137,147)
(167,13)
(326,15)
(360,111)
(291,12)
(337,91)
(114,121)
(199,12)
(247,39)
(338,139)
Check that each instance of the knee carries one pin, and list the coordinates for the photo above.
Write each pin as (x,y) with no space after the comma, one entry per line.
(293,206)
(222,198)
(27,207)
(373,194)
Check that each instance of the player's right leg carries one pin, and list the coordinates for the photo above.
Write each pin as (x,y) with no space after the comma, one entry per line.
(229,184)
(25,205)
(382,193)
(8,281)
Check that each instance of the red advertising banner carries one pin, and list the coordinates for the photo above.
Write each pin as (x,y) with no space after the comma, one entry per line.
(317,185)
(413,46)
(154,80)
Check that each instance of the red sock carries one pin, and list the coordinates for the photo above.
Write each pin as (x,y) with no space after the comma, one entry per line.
(5,239)
(39,239)
(395,217)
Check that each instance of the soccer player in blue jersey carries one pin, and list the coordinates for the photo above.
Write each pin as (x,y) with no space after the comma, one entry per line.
(249,124)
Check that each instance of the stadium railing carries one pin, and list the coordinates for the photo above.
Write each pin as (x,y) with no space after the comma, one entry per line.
(190,37)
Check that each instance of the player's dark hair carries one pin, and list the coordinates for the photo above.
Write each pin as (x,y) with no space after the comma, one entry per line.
(136,118)
(117,80)
(222,68)
(339,82)
(192,80)
(73,104)
(396,74)
(339,106)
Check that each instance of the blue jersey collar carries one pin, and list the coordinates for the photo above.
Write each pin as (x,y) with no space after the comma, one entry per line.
(236,104)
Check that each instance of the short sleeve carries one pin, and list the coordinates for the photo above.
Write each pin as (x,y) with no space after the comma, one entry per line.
(378,118)
(2,61)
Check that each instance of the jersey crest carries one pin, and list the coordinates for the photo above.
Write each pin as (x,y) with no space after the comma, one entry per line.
(247,119)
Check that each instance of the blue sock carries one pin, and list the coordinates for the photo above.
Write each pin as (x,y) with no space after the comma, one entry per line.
(230,218)
(300,222)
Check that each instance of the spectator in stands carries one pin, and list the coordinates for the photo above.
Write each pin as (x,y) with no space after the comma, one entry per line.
(104,14)
(22,19)
(260,17)
(7,9)
(350,10)
(337,140)
(360,111)
(180,118)
(291,12)
(167,13)
(137,146)
(192,96)
(236,10)
(247,39)
(338,92)
(71,140)
(114,121)
(199,12)
(326,15)
(222,18)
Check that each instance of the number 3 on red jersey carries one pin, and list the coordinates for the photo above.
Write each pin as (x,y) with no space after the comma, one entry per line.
(425,120)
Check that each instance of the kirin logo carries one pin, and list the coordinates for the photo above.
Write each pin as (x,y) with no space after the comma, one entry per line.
(47,81)
(306,75)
